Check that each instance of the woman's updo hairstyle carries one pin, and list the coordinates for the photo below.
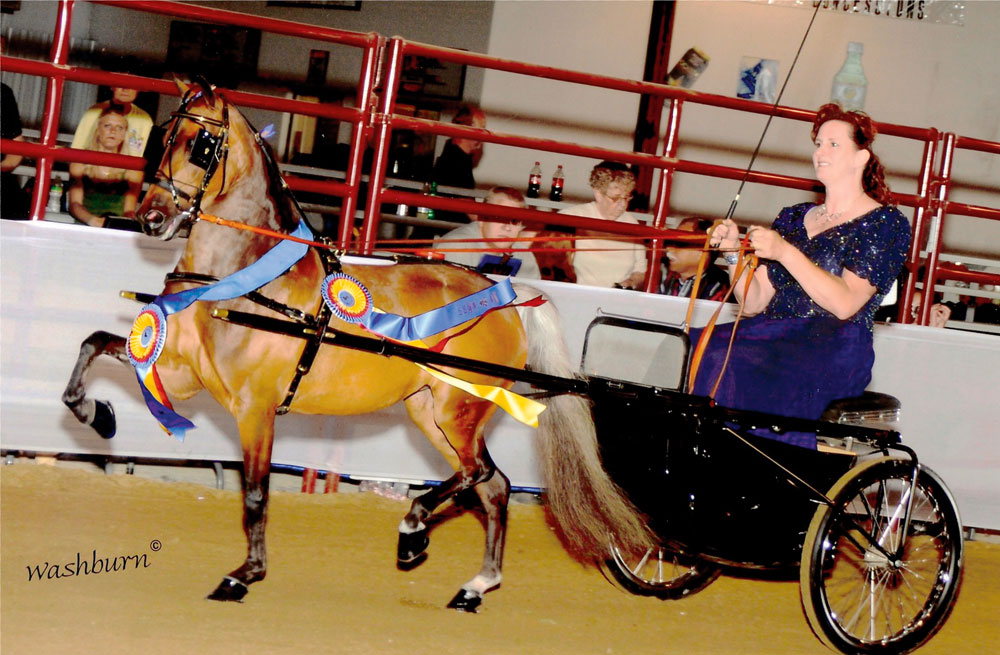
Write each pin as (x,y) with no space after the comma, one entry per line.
(873,177)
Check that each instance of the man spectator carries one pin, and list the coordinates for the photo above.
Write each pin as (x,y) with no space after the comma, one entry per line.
(459,156)
(682,264)
(606,262)
(501,258)
(139,122)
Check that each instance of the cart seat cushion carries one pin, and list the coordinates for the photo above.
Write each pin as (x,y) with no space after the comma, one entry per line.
(869,401)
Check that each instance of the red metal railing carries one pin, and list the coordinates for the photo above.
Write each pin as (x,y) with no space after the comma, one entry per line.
(374,125)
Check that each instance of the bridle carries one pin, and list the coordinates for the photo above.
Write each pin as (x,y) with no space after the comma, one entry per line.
(208,150)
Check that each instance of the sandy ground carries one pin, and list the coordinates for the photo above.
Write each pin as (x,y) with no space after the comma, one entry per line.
(333,586)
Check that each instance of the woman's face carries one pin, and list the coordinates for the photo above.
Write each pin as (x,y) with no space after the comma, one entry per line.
(836,156)
(111,130)
(613,201)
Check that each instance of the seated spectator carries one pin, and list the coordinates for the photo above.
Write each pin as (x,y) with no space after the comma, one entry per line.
(682,264)
(139,122)
(15,202)
(608,262)
(100,191)
(503,260)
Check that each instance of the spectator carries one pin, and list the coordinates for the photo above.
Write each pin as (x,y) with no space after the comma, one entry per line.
(100,191)
(15,202)
(608,262)
(459,156)
(682,264)
(503,261)
(139,122)
(454,167)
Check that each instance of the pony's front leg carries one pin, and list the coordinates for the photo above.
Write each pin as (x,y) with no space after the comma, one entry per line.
(98,414)
(257,438)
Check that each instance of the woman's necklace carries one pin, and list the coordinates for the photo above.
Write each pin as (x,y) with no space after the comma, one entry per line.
(823,217)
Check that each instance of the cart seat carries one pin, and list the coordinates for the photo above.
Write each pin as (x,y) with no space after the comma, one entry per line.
(870,409)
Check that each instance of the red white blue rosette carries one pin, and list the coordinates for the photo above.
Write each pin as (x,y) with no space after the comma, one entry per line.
(149,333)
(349,300)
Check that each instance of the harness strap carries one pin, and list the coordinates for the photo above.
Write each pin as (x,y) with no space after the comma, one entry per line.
(331,264)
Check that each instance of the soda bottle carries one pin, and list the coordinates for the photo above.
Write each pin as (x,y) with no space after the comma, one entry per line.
(534,181)
(555,193)
(850,83)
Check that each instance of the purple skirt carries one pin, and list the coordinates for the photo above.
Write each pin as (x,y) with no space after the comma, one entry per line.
(791,367)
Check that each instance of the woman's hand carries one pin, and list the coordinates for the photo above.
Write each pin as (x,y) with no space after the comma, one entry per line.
(725,236)
(768,244)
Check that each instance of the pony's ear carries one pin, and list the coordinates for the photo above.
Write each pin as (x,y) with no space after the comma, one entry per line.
(181,86)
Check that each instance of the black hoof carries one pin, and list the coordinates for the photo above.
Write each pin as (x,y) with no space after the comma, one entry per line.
(466,601)
(104,419)
(411,548)
(229,589)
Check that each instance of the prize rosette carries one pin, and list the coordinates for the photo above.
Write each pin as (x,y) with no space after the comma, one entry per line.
(149,332)
(349,300)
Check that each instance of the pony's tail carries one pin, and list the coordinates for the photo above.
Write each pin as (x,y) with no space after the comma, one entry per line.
(587,506)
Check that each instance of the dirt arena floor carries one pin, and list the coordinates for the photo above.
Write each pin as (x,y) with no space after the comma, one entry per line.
(333,586)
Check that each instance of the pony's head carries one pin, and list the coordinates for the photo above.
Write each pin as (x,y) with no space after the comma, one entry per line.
(192,171)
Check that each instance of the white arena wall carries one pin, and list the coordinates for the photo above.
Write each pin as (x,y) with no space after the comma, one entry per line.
(60,283)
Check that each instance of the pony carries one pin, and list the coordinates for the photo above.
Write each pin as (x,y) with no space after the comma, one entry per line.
(214,161)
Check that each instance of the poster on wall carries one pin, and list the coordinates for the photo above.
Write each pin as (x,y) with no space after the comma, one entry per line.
(688,68)
(757,79)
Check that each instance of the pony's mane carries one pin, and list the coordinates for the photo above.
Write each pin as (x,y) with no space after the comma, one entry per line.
(288,211)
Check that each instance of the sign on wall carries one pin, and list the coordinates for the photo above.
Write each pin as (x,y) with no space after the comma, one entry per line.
(947,12)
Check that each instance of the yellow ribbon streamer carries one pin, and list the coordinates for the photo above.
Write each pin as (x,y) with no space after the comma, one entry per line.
(522,409)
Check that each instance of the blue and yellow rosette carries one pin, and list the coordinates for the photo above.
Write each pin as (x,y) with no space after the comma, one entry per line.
(349,300)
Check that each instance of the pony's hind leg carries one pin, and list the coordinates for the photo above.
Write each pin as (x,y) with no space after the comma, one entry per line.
(98,414)
(455,427)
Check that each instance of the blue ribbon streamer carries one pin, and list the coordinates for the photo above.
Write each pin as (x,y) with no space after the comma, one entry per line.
(435,321)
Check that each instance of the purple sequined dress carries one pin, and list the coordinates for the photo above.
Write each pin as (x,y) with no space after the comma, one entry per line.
(796,357)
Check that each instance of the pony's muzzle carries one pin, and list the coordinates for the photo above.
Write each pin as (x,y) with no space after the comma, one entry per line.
(152,221)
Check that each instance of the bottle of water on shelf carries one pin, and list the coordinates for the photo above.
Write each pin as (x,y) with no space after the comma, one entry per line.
(850,83)
(534,181)
(556,192)
(55,197)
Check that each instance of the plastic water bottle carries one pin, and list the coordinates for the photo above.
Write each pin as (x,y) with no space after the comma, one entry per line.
(534,181)
(556,192)
(55,197)
(850,84)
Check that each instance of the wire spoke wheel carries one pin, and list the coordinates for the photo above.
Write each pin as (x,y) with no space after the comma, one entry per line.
(881,567)
(660,572)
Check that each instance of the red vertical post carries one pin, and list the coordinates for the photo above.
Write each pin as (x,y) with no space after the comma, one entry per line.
(382,131)
(359,139)
(937,227)
(309,480)
(332,482)
(924,193)
(53,106)
(670,141)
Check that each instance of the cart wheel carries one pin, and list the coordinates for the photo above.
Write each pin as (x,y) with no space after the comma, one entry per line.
(857,599)
(661,573)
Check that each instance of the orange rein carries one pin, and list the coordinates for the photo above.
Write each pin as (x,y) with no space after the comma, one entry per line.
(747,262)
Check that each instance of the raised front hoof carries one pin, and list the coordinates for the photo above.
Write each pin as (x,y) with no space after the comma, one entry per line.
(411,551)
(229,589)
(104,419)
(466,601)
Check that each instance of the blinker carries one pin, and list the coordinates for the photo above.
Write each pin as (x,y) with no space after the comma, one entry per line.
(204,149)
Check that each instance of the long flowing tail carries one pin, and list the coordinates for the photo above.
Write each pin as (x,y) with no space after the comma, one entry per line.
(588,507)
